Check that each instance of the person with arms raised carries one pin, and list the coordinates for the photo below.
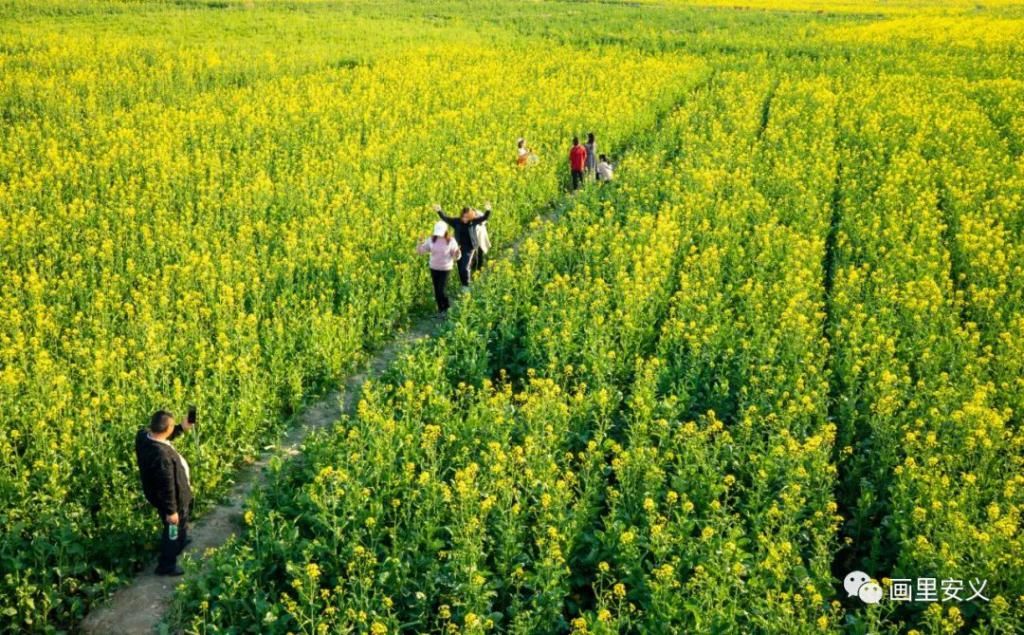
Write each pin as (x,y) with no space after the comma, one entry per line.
(464,225)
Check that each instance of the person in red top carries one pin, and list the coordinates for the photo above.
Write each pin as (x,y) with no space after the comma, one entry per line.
(577,162)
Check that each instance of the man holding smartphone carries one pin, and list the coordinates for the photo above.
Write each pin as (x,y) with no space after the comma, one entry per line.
(166,484)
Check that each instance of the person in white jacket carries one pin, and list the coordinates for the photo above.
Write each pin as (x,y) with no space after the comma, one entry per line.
(481,242)
(605,170)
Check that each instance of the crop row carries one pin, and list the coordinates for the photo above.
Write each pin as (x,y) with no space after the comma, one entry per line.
(924,306)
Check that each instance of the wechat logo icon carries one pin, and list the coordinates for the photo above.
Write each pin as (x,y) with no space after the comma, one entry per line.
(860,584)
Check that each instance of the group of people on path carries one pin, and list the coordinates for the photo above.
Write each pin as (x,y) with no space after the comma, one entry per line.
(468,247)
(465,250)
(584,161)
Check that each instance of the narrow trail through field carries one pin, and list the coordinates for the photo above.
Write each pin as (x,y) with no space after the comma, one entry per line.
(137,609)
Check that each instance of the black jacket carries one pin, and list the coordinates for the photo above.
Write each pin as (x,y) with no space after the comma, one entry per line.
(462,229)
(163,477)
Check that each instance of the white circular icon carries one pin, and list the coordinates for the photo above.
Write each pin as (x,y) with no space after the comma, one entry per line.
(854,580)
(870,592)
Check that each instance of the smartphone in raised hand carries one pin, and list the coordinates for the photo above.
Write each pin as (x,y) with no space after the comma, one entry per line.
(191,415)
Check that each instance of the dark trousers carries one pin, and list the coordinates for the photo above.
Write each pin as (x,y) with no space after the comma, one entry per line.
(478,260)
(464,262)
(577,179)
(440,279)
(171,549)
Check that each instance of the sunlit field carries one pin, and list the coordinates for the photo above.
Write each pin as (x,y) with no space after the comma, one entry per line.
(785,344)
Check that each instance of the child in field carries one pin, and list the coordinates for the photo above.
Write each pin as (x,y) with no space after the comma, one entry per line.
(524,155)
(605,170)
(522,152)
(444,251)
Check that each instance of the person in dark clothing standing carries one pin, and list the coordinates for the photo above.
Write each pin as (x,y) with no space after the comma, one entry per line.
(577,162)
(166,484)
(463,226)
